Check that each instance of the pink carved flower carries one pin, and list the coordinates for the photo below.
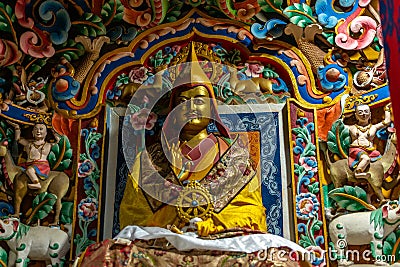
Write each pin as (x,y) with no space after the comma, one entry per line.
(138,75)
(253,69)
(309,163)
(307,205)
(28,41)
(20,14)
(364,25)
(87,209)
(144,119)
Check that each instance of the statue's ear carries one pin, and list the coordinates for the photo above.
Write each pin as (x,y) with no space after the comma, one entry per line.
(16,224)
(385,211)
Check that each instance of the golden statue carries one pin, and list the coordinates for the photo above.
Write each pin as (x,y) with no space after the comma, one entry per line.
(208,180)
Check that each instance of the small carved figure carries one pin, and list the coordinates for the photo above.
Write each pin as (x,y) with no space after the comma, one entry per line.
(36,166)
(33,243)
(57,182)
(341,173)
(253,85)
(362,150)
(362,228)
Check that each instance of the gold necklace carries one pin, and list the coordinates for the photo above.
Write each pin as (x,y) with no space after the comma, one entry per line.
(364,128)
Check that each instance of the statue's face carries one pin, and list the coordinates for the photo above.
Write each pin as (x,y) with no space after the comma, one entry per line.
(39,131)
(363,113)
(193,108)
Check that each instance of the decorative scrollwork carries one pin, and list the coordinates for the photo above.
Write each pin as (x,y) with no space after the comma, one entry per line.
(353,101)
(39,118)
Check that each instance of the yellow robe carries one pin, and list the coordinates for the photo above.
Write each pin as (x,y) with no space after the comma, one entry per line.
(245,210)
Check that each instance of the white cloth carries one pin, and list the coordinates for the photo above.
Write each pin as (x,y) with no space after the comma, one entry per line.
(248,243)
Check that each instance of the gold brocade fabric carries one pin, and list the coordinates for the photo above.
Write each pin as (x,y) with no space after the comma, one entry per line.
(156,253)
(240,207)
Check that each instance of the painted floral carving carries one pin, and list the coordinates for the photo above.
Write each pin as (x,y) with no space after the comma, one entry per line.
(9,53)
(64,86)
(317,256)
(85,168)
(36,43)
(138,74)
(306,205)
(272,28)
(87,209)
(253,70)
(29,41)
(309,163)
(363,26)
(329,13)
(88,169)
(143,119)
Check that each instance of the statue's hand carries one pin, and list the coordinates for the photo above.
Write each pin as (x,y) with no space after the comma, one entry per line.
(176,156)
(388,107)
(13,124)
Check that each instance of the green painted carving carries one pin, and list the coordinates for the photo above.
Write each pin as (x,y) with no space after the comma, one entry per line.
(42,204)
(54,246)
(6,132)
(53,255)
(339,226)
(60,156)
(7,17)
(25,262)
(67,211)
(91,25)
(112,11)
(339,139)
(379,237)
(174,10)
(351,198)
(300,14)
(377,218)
(3,257)
(313,188)
(23,229)
(391,246)
(71,50)
(22,247)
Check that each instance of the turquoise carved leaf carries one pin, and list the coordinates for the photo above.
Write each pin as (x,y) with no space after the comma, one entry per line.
(300,14)
(351,198)
(391,246)
(60,156)
(339,139)
(42,205)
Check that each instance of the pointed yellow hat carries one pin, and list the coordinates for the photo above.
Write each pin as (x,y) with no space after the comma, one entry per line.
(191,72)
